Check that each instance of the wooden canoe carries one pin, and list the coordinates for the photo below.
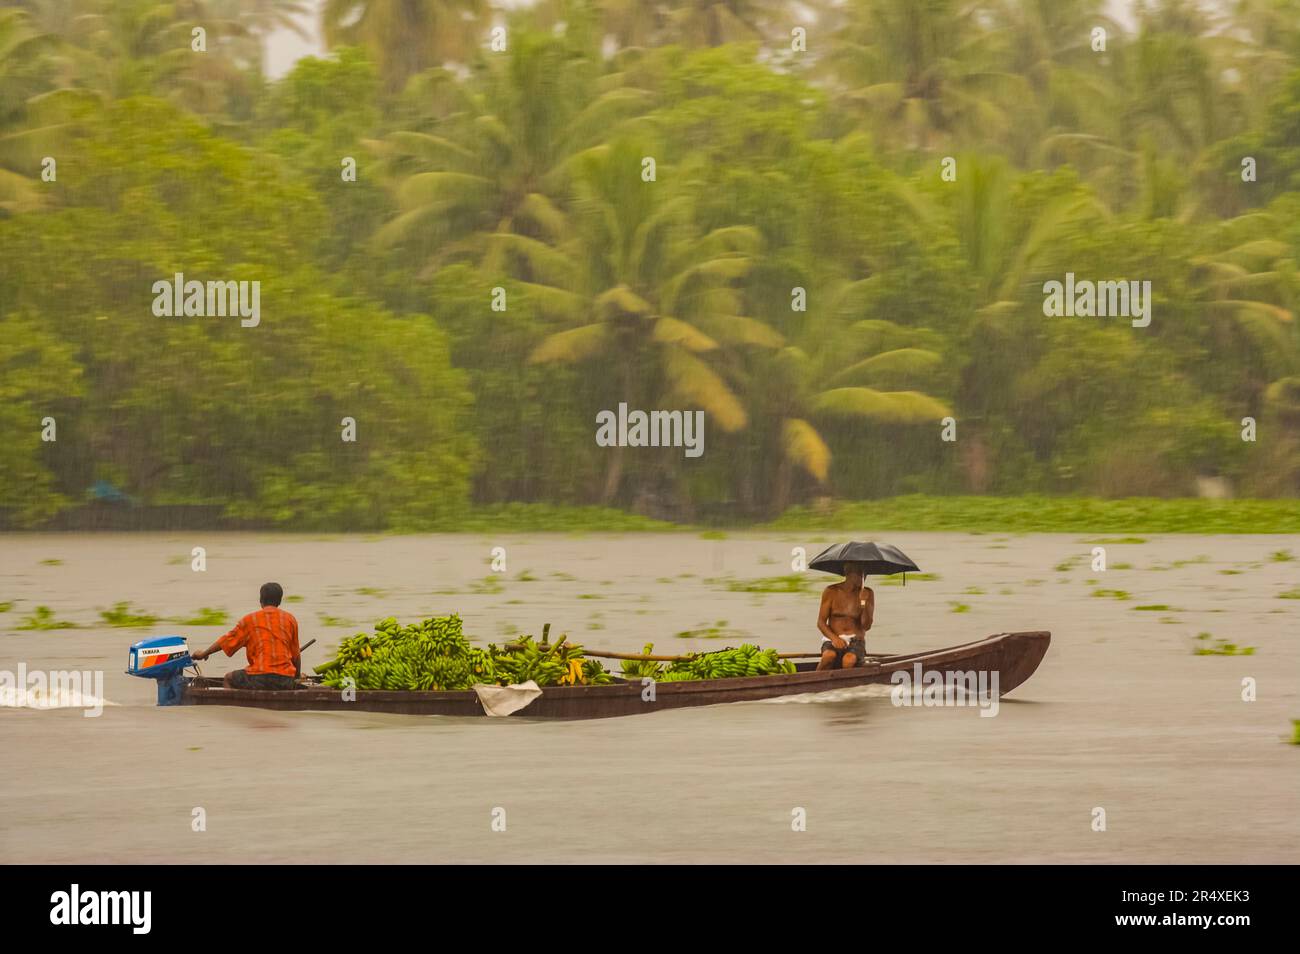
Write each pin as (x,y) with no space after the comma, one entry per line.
(1013,656)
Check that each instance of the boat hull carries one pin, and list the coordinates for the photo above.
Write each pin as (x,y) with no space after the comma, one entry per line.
(1014,656)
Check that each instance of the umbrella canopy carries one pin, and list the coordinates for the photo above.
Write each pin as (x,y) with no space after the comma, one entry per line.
(878,558)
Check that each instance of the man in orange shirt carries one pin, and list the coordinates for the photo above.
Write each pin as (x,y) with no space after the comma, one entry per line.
(270,638)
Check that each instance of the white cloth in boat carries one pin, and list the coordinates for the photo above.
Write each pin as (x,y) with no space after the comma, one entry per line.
(503,700)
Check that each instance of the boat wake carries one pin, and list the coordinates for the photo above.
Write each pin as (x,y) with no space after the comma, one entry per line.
(851,694)
(12,697)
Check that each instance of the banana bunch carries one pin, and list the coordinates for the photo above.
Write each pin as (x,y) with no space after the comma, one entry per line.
(482,666)
(561,664)
(594,674)
(637,669)
(433,654)
(728,664)
(581,671)
(527,659)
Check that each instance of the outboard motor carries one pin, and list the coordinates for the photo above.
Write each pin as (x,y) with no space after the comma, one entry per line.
(163,658)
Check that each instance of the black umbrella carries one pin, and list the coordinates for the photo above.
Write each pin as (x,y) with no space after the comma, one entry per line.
(878,558)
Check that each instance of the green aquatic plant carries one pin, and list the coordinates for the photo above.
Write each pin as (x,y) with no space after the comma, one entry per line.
(1220,647)
(897,579)
(704,631)
(122,615)
(1036,513)
(205,616)
(43,618)
(789,583)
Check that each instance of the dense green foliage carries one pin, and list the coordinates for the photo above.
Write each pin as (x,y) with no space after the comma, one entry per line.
(776,169)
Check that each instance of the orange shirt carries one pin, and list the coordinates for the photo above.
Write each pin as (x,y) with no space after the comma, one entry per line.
(270,636)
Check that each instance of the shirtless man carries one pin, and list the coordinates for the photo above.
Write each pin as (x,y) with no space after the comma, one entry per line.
(844,617)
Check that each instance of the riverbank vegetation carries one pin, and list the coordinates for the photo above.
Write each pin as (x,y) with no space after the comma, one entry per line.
(501,267)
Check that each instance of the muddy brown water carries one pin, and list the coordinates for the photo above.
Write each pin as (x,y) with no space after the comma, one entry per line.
(1121,716)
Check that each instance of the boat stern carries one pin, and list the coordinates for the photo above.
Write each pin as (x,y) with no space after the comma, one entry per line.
(163,659)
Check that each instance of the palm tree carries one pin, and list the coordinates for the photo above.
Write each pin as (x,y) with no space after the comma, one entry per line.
(123,48)
(246,24)
(714,22)
(847,376)
(33,118)
(406,37)
(1005,250)
(847,372)
(1283,401)
(1247,292)
(487,183)
(1049,44)
(925,72)
(630,23)
(1259,44)
(659,303)
(267,16)
(127,48)
(1179,97)
(689,23)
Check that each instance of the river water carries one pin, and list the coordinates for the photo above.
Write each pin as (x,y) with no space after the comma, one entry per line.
(1122,718)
